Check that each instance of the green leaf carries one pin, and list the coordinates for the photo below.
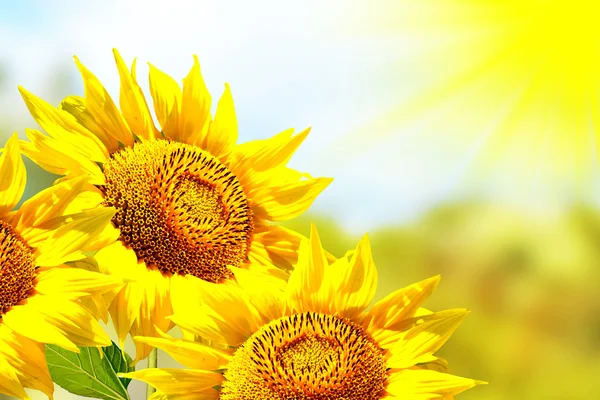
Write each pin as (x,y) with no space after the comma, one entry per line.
(88,373)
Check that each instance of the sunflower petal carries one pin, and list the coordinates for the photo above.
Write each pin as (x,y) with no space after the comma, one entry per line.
(304,285)
(195,107)
(74,283)
(32,217)
(189,353)
(207,394)
(354,286)
(56,123)
(425,384)
(166,94)
(133,103)
(289,200)
(275,245)
(418,344)
(223,312)
(391,312)
(83,119)
(12,176)
(265,154)
(152,310)
(56,320)
(142,303)
(223,131)
(28,360)
(60,157)
(67,242)
(9,381)
(265,292)
(177,381)
(102,107)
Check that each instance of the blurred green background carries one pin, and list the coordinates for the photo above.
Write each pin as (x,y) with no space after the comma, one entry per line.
(531,284)
(530,277)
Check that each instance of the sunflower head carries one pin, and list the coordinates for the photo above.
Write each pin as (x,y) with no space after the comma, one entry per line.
(306,353)
(187,214)
(18,268)
(311,338)
(40,296)
(190,202)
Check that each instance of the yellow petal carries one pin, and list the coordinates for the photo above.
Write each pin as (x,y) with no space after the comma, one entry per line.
(98,302)
(195,107)
(34,218)
(152,310)
(265,154)
(176,381)
(60,157)
(207,394)
(12,175)
(56,123)
(189,353)
(354,286)
(74,282)
(67,242)
(275,245)
(142,303)
(425,384)
(55,320)
(223,132)
(90,197)
(304,285)
(418,344)
(83,119)
(133,103)
(101,106)
(166,94)
(41,157)
(223,312)
(9,381)
(28,360)
(265,292)
(280,203)
(390,312)
(96,305)
(437,364)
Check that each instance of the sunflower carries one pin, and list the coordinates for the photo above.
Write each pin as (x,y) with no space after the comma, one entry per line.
(311,338)
(39,294)
(191,204)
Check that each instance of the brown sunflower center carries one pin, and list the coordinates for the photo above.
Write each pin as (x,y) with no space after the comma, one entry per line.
(17,269)
(179,209)
(306,356)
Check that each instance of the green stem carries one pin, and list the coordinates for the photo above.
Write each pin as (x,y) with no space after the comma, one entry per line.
(152,363)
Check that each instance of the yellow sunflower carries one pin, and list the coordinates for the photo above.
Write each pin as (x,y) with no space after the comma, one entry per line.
(311,339)
(190,203)
(39,294)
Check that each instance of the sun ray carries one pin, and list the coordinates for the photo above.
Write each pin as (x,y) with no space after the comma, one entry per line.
(546,53)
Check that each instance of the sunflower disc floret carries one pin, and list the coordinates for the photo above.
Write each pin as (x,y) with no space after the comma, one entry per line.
(17,268)
(178,208)
(306,356)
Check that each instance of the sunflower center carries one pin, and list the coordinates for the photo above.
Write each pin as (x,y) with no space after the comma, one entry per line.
(179,209)
(17,269)
(306,356)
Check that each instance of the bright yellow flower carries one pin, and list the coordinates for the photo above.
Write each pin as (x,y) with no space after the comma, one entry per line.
(311,339)
(190,202)
(39,294)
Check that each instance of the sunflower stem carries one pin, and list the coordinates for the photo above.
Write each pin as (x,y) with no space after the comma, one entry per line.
(152,363)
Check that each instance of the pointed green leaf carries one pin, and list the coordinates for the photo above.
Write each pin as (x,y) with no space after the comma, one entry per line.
(89,373)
